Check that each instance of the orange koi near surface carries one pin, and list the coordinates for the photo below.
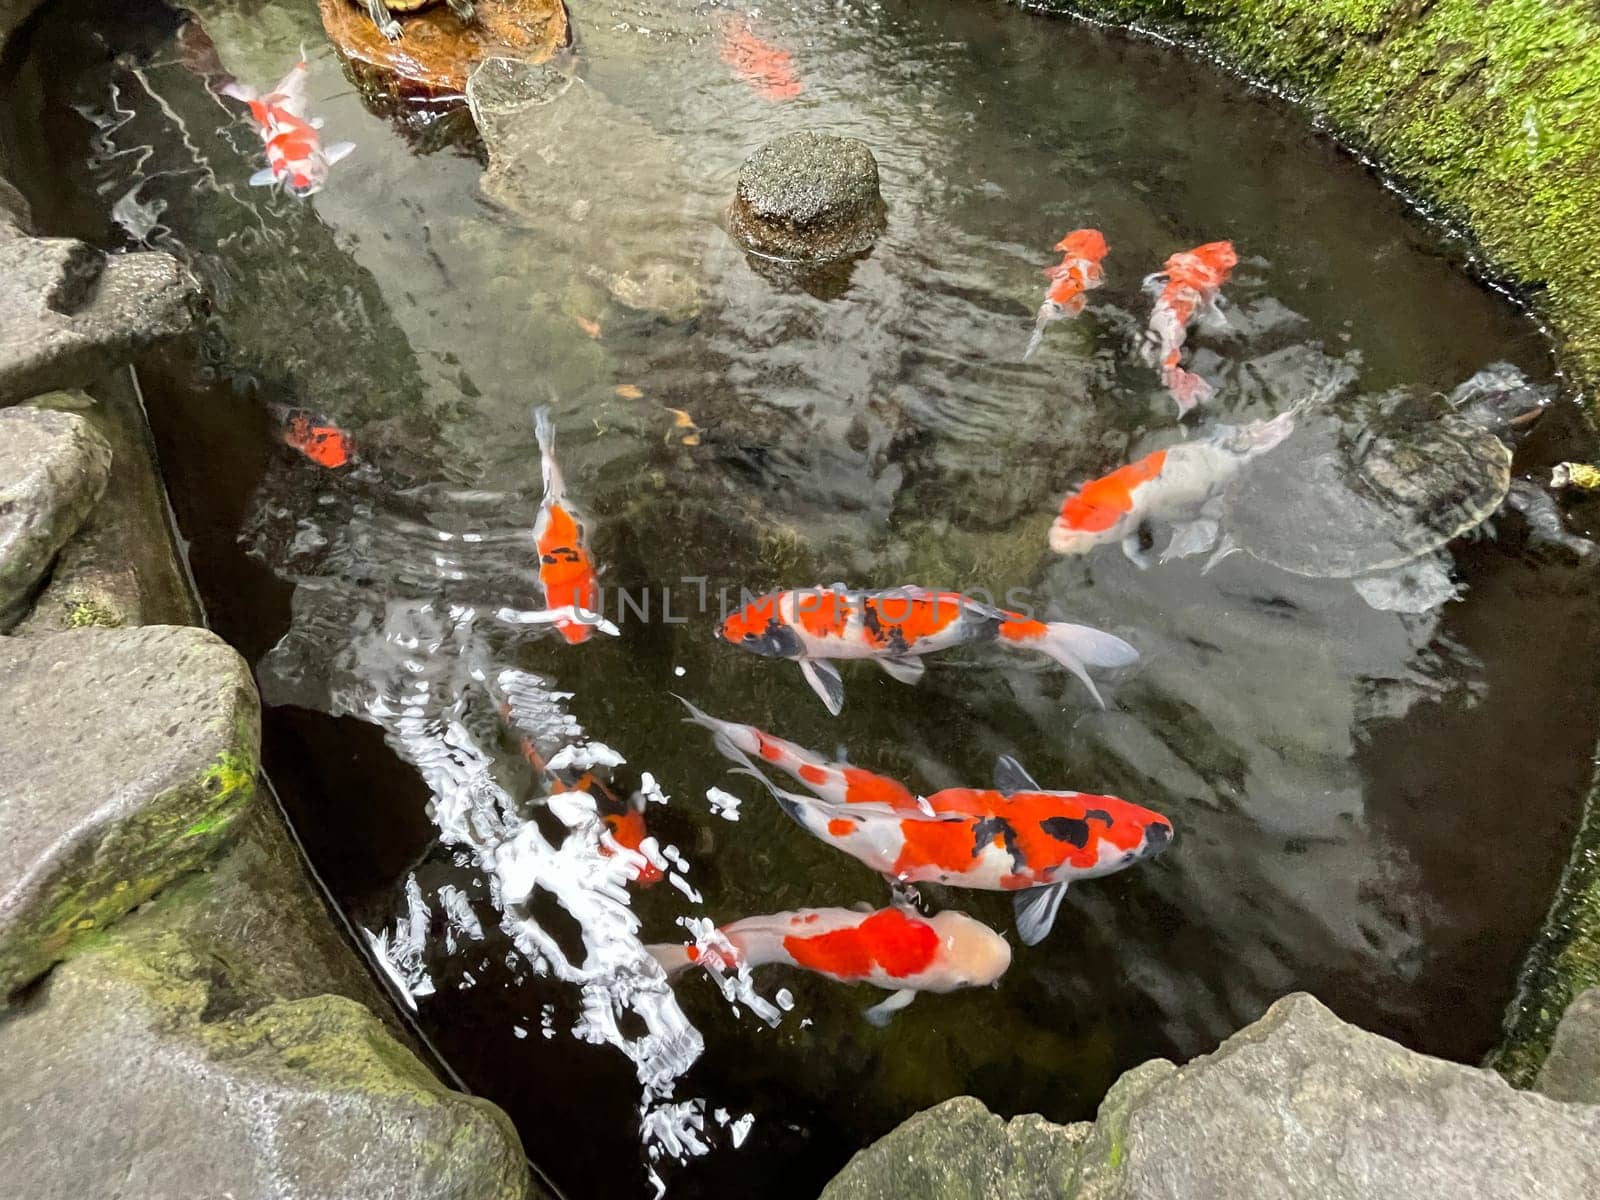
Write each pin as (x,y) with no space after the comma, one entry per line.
(1078,273)
(324,444)
(566,568)
(891,948)
(759,63)
(1189,283)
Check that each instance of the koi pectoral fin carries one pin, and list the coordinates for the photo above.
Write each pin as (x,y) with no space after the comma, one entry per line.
(263,178)
(1133,548)
(879,1014)
(824,679)
(1192,537)
(906,670)
(1036,911)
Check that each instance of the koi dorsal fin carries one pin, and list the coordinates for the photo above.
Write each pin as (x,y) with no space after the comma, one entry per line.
(1011,776)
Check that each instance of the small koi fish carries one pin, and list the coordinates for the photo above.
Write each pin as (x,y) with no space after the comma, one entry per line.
(896,627)
(1078,273)
(766,68)
(1178,485)
(1015,837)
(566,568)
(324,444)
(623,820)
(296,157)
(1186,285)
(890,948)
(629,391)
(589,327)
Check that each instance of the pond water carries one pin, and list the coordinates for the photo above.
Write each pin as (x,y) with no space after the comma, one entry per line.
(1369,805)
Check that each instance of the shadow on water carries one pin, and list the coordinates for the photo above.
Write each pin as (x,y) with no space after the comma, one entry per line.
(1370,806)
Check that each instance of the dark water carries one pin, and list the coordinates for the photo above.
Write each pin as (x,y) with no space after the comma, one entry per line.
(1369,806)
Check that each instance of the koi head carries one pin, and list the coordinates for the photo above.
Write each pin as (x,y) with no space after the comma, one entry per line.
(760,628)
(1084,243)
(973,954)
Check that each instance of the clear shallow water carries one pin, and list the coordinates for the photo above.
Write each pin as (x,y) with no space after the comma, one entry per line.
(1369,806)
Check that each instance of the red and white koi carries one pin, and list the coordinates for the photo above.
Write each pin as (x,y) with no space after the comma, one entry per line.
(566,568)
(1078,273)
(1186,285)
(896,627)
(296,157)
(1014,837)
(891,948)
(1177,485)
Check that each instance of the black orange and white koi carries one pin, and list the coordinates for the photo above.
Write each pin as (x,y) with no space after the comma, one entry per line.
(1013,837)
(1078,273)
(1176,485)
(893,948)
(1187,285)
(895,628)
(296,158)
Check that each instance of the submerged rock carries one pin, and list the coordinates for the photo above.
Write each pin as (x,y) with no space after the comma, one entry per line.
(53,468)
(69,314)
(1572,1070)
(438,51)
(810,197)
(1298,1104)
(125,756)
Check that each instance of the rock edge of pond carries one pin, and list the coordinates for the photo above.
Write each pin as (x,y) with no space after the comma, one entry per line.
(176,1001)
(169,933)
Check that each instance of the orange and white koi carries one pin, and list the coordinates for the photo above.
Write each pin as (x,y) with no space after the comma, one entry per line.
(1178,485)
(1014,837)
(891,948)
(896,627)
(623,820)
(765,67)
(566,568)
(323,443)
(296,157)
(1078,273)
(1186,285)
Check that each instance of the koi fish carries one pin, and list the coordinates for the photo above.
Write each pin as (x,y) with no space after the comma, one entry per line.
(1188,284)
(296,157)
(895,628)
(891,948)
(1178,485)
(766,68)
(566,568)
(838,783)
(623,820)
(1078,273)
(1015,837)
(324,444)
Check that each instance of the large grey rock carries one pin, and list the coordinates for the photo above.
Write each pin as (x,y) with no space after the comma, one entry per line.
(959,1150)
(1297,1105)
(808,197)
(53,468)
(69,314)
(152,1067)
(125,756)
(121,567)
(1572,1070)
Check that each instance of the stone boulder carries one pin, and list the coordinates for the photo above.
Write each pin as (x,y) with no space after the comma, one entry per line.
(69,314)
(125,756)
(1297,1105)
(53,469)
(1572,1070)
(808,197)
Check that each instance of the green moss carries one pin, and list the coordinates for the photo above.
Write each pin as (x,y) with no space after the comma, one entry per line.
(1485,110)
(81,614)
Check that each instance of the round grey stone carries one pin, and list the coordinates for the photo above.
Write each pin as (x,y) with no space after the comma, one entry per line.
(810,197)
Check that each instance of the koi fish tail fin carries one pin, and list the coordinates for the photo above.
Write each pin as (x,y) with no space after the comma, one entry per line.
(722,735)
(794,807)
(1188,389)
(1079,647)
(673,959)
(544,432)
